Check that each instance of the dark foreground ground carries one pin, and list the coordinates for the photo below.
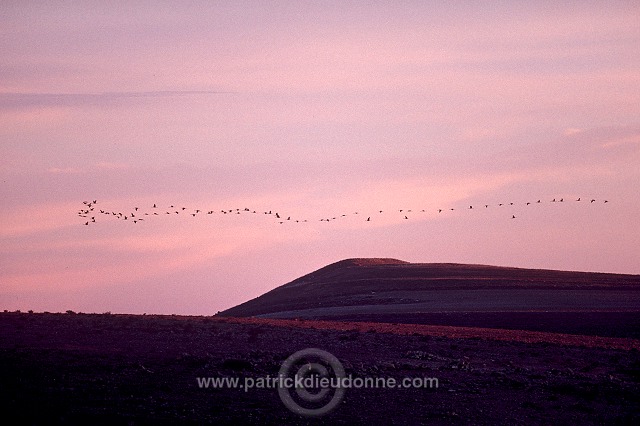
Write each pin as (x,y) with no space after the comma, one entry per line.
(124,369)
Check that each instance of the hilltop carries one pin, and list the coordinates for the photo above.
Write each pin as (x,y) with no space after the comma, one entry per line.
(391,290)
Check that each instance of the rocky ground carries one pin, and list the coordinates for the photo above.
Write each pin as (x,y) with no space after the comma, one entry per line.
(127,369)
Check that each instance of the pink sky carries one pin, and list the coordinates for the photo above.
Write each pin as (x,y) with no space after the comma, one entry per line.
(311,109)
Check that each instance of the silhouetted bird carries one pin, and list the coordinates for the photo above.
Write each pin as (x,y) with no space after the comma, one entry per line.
(513,217)
(369,219)
(154,206)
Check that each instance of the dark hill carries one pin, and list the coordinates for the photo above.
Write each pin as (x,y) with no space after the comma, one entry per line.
(390,290)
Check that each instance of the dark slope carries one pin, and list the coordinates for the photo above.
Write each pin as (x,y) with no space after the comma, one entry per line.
(390,290)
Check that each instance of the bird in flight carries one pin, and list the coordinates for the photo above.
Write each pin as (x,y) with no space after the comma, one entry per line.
(87,209)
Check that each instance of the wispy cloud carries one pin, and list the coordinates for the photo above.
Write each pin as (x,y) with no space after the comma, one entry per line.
(65,170)
(633,139)
(13,100)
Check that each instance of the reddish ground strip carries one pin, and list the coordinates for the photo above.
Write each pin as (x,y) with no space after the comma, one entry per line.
(448,331)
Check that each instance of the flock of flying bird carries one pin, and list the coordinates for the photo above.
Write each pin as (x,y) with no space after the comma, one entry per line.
(89,211)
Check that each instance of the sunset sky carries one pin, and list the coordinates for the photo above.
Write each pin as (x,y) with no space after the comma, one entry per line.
(313,110)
